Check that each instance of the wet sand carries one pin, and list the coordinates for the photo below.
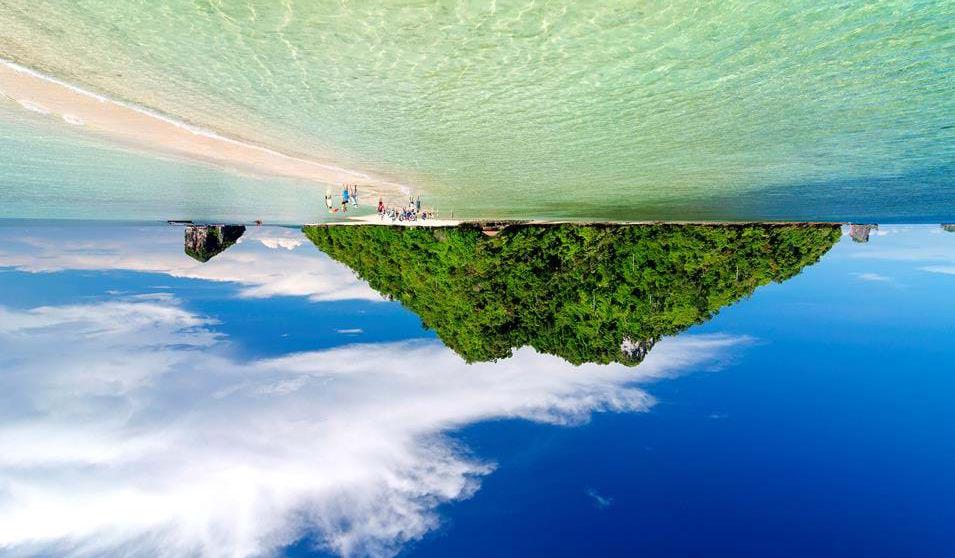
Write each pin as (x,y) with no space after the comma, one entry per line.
(137,127)
(374,219)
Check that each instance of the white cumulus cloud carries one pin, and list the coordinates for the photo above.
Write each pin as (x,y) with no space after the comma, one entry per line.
(943,269)
(130,428)
(872,277)
(298,270)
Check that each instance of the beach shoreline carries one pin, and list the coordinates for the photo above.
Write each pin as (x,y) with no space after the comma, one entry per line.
(375,219)
(133,126)
(498,224)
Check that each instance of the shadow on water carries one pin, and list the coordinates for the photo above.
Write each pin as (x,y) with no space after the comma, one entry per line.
(586,293)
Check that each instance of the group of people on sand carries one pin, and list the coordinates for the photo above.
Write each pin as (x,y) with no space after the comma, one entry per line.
(349,195)
(411,212)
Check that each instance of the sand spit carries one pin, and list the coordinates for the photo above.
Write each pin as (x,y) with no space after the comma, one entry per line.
(133,126)
(496,225)
(374,219)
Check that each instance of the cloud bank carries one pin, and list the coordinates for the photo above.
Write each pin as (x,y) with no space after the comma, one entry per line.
(129,428)
(268,261)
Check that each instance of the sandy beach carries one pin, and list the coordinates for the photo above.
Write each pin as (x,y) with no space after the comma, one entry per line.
(133,126)
(374,219)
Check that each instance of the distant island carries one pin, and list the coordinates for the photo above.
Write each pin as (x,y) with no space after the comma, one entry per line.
(860,233)
(586,293)
(204,242)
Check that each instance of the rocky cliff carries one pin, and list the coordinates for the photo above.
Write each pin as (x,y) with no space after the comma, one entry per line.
(204,242)
(860,233)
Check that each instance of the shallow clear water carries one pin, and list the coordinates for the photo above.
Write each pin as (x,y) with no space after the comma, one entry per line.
(654,110)
(51,173)
(270,402)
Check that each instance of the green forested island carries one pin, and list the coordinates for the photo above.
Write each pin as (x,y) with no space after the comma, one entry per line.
(587,293)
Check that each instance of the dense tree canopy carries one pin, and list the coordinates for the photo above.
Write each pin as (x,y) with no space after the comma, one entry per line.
(587,293)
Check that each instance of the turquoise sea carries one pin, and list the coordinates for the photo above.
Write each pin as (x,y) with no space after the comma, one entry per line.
(669,110)
(60,173)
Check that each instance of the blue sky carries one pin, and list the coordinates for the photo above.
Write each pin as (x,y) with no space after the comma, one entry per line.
(268,402)
(831,434)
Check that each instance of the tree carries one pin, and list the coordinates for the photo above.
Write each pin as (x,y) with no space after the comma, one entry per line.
(587,293)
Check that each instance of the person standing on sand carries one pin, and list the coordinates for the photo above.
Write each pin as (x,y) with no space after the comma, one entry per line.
(345,198)
(381,207)
(354,195)
(328,201)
